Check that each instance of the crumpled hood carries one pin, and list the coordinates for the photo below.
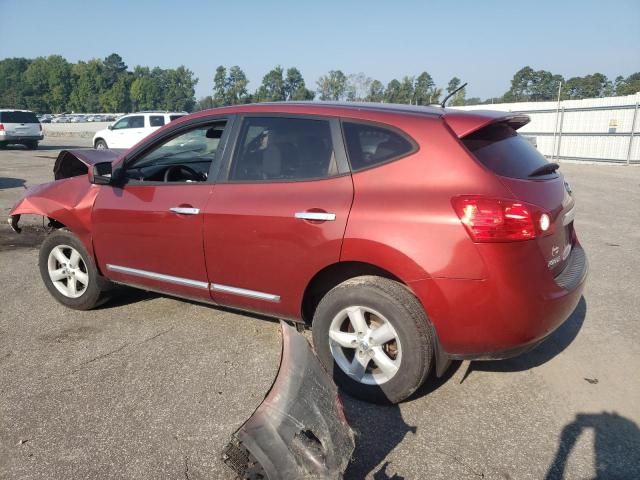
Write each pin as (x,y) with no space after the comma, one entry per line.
(71,163)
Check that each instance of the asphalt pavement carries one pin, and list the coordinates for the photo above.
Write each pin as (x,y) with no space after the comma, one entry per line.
(152,387)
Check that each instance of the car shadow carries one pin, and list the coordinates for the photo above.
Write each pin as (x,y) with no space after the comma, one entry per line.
(8,182)
(46,147)
(557,342)
(616,447)
(379,429)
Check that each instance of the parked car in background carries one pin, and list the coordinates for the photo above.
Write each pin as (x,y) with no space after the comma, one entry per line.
(20,127)
(406,237)
(130,129)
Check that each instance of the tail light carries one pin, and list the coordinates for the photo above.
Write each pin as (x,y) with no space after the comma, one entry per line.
(1,127)
(40,125)
(501,220)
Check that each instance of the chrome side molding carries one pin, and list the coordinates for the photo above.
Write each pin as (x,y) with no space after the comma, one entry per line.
(187,282)
(216,287)
(159,276)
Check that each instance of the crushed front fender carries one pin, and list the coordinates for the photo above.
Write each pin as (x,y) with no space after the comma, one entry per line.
(299,430)
(68,201)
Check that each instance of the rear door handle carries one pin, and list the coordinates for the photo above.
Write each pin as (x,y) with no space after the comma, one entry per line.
(185,210)
(322,216)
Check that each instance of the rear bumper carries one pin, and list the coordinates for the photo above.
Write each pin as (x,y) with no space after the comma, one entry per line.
(514,309)
(9,138)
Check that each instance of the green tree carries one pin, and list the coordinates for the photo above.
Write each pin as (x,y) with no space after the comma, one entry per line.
(533,85)
(358,85)
(220,86)
(629,85)
(393,94)
(236,87)
(458,98)
(295,88)
(406,91)
(589,86)
(145,91)
(49,83)
(424,89)
(273,86)
(112,69)
(332,86)
(376,92)
(179,89)
(116,98)
(204,103)
(86,86)
(13,90)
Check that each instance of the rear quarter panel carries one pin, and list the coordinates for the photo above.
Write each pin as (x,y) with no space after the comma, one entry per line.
(402,218)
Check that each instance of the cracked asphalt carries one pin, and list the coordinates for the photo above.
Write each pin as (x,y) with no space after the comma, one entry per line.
(152,387)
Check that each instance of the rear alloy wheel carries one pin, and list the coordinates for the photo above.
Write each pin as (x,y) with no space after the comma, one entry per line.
(69,273)
(372,334)
(100,144)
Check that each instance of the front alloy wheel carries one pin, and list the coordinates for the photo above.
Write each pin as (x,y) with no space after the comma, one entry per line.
(68,271)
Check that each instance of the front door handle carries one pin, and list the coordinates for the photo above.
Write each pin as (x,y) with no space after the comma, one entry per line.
(185,210)
(321,216)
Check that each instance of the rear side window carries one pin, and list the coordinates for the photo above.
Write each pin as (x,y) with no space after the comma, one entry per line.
(499,148)
(369,145)
(283,149)
(18,117)
(174,117)
(156,120)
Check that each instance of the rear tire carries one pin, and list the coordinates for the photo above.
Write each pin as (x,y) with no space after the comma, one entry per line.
(100,144)
(69,272)
(403,347)
(31,145)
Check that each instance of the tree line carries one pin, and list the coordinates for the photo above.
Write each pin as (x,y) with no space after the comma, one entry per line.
(52,84)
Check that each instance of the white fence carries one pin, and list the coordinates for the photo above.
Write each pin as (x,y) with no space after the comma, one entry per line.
(594,129)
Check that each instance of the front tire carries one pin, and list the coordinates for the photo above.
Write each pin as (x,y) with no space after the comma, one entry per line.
(373,335)
(69,273)
(100,144)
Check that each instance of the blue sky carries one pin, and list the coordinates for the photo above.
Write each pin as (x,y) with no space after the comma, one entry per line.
(482,42)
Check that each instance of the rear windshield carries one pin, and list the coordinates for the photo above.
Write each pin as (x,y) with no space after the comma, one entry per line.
(18,117)
(499,148)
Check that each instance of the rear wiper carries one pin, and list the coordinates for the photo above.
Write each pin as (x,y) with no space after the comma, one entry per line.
(545,169)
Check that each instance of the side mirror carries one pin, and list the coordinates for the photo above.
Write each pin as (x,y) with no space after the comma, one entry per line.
(101,173)
(110,127)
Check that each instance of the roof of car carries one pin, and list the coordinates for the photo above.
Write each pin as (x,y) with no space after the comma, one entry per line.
(462,122)
(14,110)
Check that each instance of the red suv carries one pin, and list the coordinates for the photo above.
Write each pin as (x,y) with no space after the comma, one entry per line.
(405,236)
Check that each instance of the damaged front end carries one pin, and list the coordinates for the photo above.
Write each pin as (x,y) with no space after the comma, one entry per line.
(299,431)
(67,201)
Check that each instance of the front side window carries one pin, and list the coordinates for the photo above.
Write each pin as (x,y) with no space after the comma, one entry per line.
(136,121)
(283,149)
(186,157)
(369,145)
(156,120)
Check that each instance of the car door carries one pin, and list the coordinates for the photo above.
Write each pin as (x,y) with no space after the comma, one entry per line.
(127,131)
(148,230)
(278,214)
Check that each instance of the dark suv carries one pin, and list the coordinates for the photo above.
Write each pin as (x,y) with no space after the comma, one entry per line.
(404,236)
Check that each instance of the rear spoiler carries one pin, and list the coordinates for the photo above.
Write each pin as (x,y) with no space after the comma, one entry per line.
(465,122)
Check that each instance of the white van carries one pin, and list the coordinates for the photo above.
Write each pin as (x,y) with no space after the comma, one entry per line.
(130,129)
(20,127)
